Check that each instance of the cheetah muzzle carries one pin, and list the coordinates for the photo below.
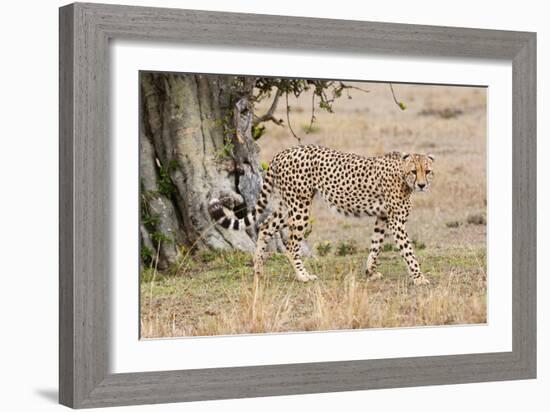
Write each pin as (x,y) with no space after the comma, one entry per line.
(354,185)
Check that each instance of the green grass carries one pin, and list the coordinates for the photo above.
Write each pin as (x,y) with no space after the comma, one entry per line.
(215,293)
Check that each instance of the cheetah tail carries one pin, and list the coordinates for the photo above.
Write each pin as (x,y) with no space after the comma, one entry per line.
(217,212)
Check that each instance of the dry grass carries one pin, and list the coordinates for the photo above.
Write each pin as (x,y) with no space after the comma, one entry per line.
(224,298)
(219,296)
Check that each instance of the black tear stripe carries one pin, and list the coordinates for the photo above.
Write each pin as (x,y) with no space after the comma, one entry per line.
(226,223)
(236,225)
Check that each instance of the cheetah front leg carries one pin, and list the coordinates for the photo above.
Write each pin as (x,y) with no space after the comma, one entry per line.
(376,244)
(402,240)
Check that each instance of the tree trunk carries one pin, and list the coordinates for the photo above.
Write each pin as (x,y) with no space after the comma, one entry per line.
(195,144)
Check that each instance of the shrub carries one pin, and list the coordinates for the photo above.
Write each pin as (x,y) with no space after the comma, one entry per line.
(389,247)
(446,113)
(324,248)
(309,228)
(453,224)
(418,244)
(346,248)
(207,256)
(477,219)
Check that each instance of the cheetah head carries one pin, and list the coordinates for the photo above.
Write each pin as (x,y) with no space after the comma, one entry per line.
(417,171)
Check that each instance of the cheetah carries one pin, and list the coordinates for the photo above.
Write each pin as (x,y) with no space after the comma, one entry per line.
(354,185)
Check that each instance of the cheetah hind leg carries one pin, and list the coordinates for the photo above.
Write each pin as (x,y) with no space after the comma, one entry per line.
(297,230)
(264,234)
(267,229)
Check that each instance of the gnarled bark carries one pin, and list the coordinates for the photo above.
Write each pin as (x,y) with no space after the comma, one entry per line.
(196,144)
(159,227)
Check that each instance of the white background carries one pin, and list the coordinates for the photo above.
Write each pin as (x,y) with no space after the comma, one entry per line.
(28,352)
(132,355)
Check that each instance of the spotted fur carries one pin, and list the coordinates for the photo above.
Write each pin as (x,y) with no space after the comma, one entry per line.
(354,185)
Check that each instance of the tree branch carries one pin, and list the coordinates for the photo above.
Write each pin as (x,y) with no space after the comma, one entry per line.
(310,128)
(268,116)
(347,86)
(399,104)
(288,120)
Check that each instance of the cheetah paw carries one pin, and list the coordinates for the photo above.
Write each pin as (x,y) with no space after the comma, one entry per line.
(306,278)
(374,275)
(421,281)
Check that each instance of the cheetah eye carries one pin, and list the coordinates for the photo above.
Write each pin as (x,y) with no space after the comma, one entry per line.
(413,172)
(428,172)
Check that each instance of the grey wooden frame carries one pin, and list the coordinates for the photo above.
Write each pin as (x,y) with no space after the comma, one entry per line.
(85,31)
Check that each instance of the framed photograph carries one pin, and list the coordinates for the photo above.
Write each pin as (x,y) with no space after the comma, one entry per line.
(256,205)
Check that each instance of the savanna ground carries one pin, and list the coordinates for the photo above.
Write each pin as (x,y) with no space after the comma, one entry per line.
(215,293)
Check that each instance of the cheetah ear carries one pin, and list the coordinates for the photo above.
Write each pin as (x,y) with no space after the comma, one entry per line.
(405,156)
(431,157)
